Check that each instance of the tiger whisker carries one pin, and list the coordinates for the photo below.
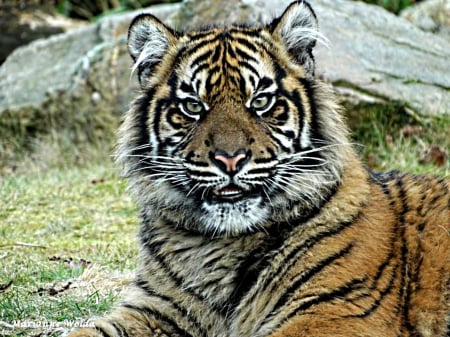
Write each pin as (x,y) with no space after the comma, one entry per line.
(301,171)
(313,150)
(264,186)
(193,189)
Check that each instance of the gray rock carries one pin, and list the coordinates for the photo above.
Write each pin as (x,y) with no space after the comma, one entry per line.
(76,83)
(430,15)
(22,22)
(377,55)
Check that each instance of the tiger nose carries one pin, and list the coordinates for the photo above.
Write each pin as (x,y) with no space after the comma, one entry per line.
(230,163)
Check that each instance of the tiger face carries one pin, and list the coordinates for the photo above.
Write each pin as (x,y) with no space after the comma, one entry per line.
(228,132)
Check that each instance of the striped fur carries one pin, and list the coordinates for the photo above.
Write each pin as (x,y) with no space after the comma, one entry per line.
(258,217)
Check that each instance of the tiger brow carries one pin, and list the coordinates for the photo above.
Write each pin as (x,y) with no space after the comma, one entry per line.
(187,88)
(264,83)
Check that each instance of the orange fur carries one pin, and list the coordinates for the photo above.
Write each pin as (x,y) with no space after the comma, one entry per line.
(259,220)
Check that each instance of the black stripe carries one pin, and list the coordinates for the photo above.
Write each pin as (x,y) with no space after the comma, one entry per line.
(143,104)
(154,246)
(248,271)
(265,82)
(200,43)
(200,68)
(230,51)
(201,34)
(278,142)
(305,276)
(170,323)
(202,58)
(339,292)
(245,64)
(260,171)
(102,332)
(150,292)
(187,88)
(382,267)
(201,174)
(384,178)
(289,134)
(248,44)
(315,117)
(263,160)
(401,227)
(246,56)
(252,80)
(119,329)
(303,246)
(383,293)
(216,55)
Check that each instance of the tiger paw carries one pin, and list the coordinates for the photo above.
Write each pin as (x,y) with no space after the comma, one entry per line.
(85,332)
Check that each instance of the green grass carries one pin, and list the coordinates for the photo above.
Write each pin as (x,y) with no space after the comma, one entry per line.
(394,6)
(385,141)
(67,244)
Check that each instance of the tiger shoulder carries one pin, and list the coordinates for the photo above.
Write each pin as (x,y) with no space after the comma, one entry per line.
(258,217)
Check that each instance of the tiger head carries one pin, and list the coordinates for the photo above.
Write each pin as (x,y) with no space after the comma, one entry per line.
(231,132)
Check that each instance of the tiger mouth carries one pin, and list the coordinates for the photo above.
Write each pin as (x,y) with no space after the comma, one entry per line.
(231,194)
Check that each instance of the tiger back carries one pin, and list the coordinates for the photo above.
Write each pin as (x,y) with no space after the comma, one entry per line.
(258,217)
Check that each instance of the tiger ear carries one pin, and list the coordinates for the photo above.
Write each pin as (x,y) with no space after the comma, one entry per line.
(298,29)
(148,41)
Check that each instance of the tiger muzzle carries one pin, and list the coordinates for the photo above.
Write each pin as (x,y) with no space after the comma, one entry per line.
(230,164)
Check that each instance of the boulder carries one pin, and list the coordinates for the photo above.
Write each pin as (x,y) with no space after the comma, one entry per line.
(24,21)
(80,81)
(70,87)
(431,16)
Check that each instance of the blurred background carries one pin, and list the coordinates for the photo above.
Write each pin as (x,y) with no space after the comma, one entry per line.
(61,97)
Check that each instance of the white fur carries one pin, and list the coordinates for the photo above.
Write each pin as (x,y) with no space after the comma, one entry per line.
(153,50)
(247,215)
(299,28)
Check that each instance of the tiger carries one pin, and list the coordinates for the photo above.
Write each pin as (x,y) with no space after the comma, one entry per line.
(259,219)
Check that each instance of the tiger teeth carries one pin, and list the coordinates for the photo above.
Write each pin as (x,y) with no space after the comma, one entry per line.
(228,191)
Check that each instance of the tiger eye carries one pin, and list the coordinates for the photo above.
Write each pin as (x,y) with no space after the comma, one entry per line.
(193,107)
(260,102)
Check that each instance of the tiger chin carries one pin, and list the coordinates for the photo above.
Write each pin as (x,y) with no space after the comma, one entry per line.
(258,218)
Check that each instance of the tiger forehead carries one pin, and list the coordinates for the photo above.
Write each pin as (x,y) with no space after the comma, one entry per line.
(233,59)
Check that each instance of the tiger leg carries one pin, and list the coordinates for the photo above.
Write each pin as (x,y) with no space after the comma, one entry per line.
(143,312)
(123,322)
(304,326)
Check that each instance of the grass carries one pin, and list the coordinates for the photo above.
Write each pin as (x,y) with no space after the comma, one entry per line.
(67,246)
(394,6)
(389,138)
(68,233)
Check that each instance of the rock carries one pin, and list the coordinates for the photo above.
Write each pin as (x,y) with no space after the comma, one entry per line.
(75,84)
(23,22)
(376,56)
(80,82)
(431,16)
